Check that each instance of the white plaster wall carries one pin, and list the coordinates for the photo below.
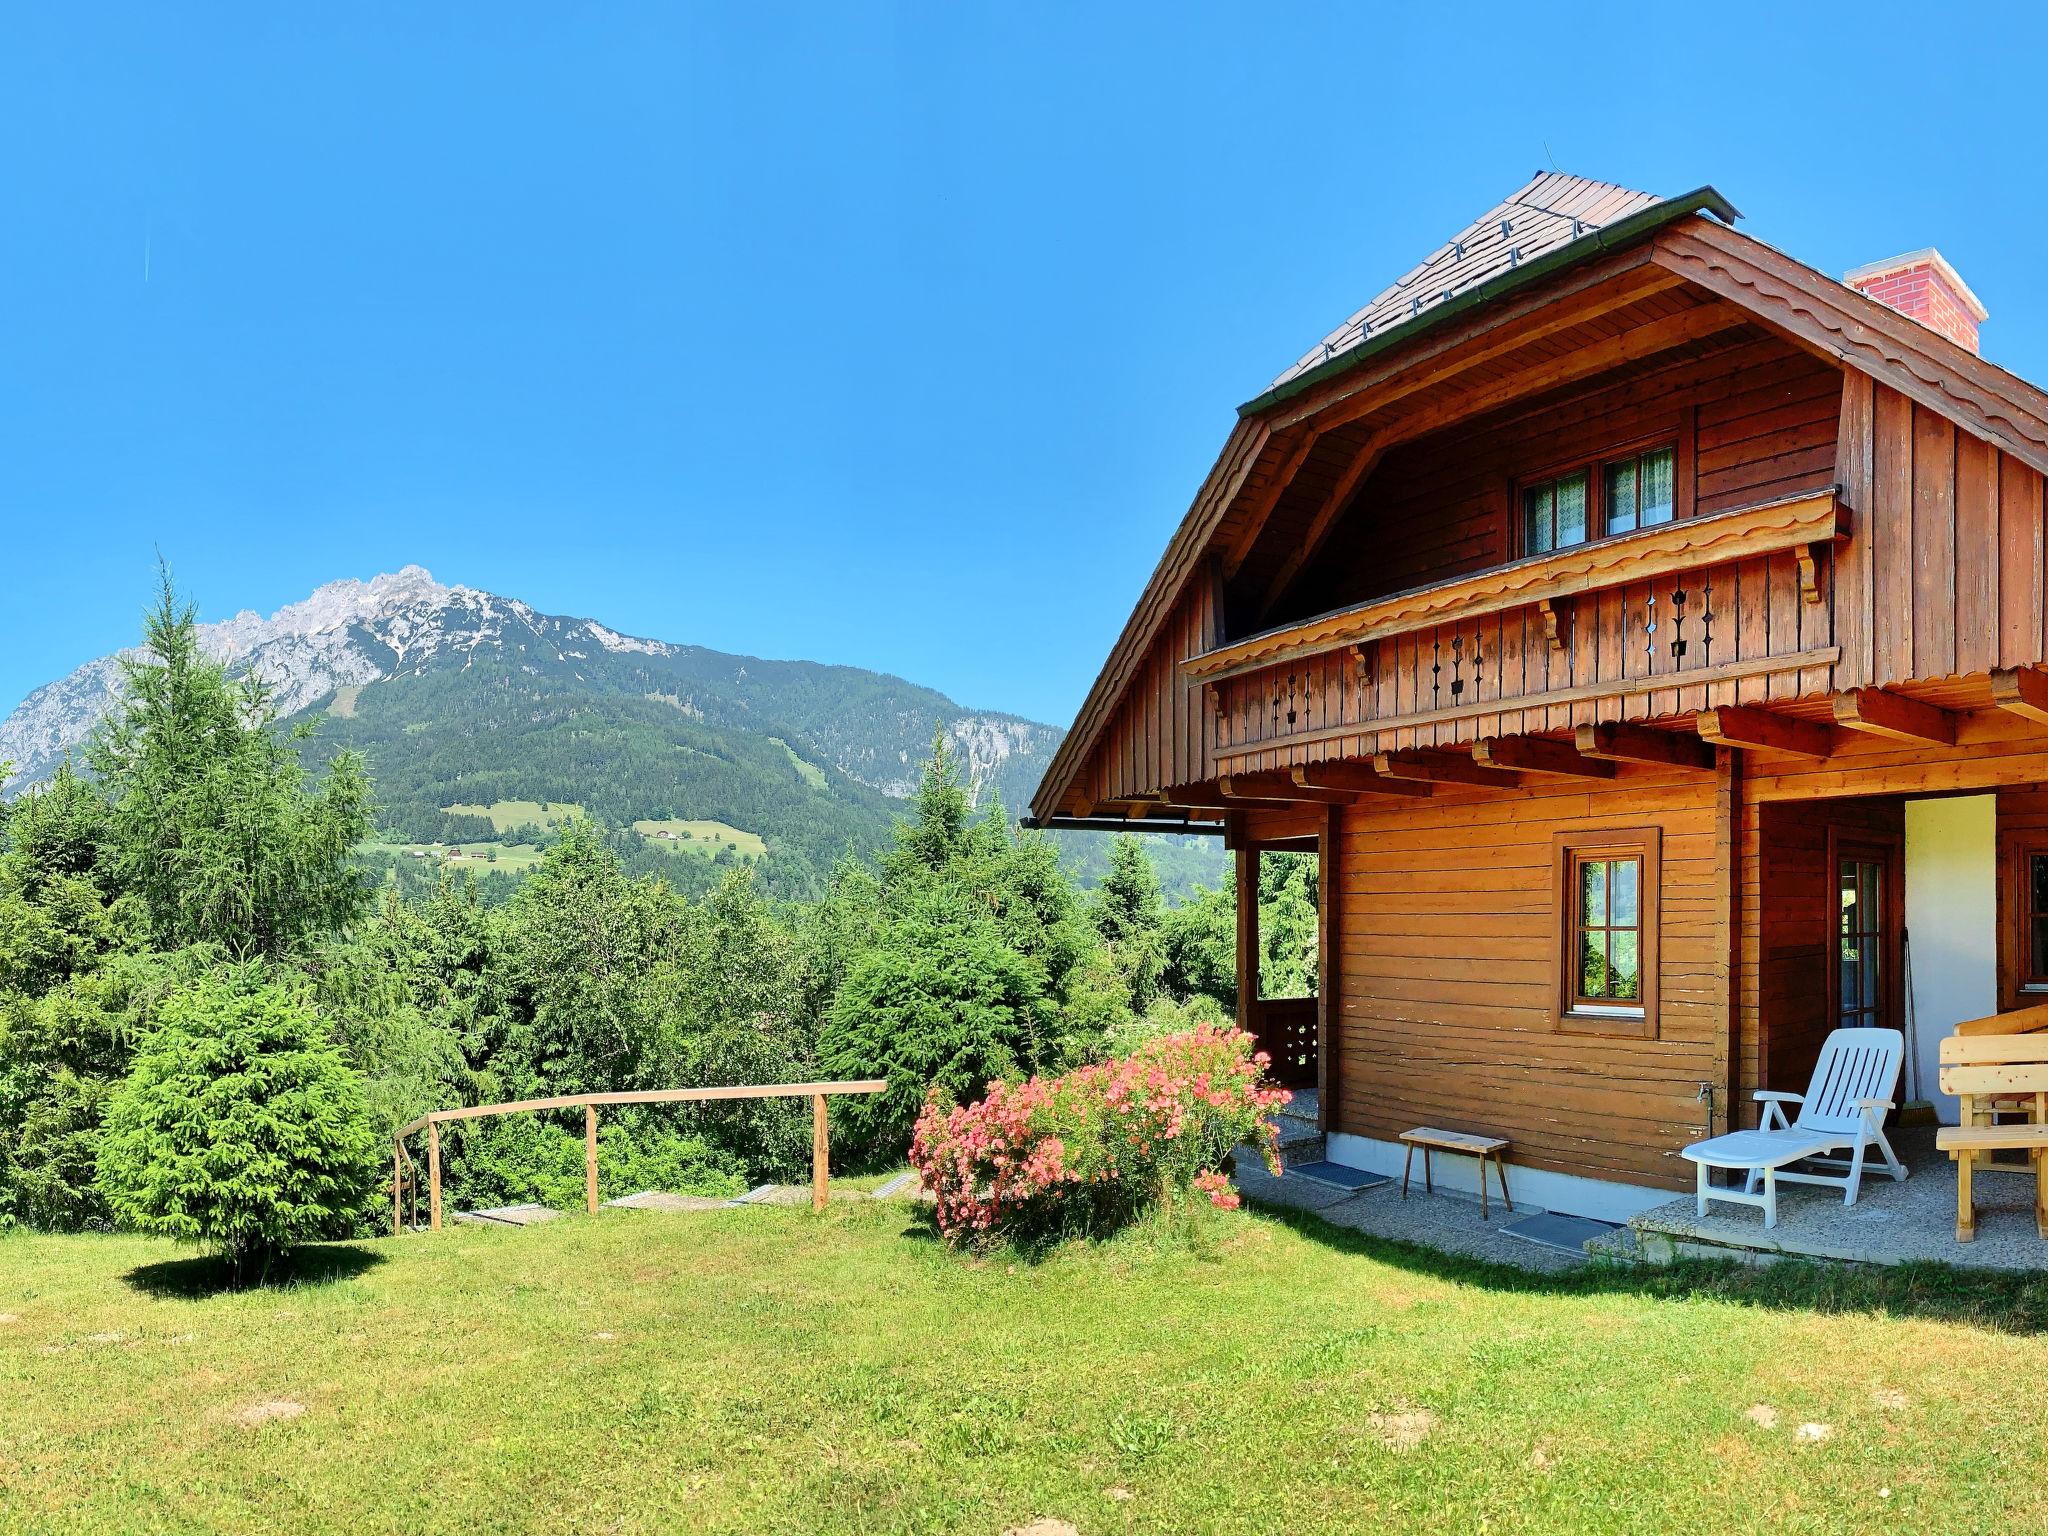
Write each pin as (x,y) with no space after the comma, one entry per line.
(1951,926)
(1531,1188)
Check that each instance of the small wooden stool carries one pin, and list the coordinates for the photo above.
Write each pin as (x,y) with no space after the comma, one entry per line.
(1431,1139)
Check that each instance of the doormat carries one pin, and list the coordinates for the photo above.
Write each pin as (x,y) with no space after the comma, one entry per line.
(1341,1175)
(1567,1234)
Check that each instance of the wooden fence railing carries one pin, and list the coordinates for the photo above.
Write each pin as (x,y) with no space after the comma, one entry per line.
(432,1122)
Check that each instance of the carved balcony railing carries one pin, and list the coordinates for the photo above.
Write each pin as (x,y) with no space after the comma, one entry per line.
(1732,608)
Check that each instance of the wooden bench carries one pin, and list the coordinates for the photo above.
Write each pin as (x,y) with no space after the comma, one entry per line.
(1430,1139)
(1987,1071)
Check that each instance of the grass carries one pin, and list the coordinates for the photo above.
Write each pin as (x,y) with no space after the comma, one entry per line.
(513,858)
(508,815)
(806,770)
(701,837)
(764,1369)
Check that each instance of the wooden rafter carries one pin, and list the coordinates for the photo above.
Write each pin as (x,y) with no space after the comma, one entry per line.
(1356,777)
(1894,715)
(1751,730)
(1539,754)
(1642,744)
(1441,768)
(1325,519)
(1632,345)
(2021,691)
(1353,398)
(1260,507)
(1278,786)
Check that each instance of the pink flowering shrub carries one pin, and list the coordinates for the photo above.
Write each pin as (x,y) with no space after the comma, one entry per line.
(1092,1148)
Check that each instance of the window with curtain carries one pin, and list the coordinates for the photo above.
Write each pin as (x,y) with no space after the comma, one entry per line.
(1609,497)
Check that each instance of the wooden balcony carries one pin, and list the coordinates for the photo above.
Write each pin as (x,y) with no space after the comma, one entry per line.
(1727,609)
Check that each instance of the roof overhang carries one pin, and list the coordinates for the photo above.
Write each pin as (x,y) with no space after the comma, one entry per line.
(1814,311)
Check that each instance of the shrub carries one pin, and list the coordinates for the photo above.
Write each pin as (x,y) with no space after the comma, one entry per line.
(1088,1151)
(239,1127)
(1166,1016)
(942,1003)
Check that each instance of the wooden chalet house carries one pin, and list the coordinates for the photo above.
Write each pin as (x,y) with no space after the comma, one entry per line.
(1643,628)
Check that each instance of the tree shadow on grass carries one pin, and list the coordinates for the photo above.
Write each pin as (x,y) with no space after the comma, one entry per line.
(2001,1301)
(203,1275)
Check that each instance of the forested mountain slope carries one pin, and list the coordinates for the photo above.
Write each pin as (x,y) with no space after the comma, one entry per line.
(458,697)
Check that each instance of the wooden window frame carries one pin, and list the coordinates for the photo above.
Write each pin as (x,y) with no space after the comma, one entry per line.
(1594,467)
(1568,850)
(1890,852)
(2016,989)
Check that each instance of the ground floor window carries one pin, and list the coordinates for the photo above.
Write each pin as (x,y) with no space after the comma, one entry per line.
(1606,885)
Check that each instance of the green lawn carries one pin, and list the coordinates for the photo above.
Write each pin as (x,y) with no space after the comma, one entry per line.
(513,858)
(508,815)
(704,837)
(764,1369)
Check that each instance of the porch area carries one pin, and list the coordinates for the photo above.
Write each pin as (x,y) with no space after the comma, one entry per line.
(1890,1223)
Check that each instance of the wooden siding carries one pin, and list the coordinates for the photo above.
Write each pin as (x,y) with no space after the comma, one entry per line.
(1448,945)
(1163,732)
(1944,575)
(1759,420)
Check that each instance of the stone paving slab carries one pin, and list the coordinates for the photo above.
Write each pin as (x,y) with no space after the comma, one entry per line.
(1890,1223)
(1441,1221)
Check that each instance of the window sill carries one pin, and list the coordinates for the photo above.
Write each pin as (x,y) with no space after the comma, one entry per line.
(1637,1025)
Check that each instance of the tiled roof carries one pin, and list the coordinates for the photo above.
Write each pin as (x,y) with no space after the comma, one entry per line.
(1550,212)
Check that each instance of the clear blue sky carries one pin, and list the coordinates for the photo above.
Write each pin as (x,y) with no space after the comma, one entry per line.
(897,336)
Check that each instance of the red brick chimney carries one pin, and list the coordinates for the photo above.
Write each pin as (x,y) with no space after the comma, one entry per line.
(1922,286)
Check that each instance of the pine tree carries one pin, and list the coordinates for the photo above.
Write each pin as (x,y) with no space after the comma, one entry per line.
(212,823)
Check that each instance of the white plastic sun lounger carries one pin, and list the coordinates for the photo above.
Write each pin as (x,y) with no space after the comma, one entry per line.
(1844,1106)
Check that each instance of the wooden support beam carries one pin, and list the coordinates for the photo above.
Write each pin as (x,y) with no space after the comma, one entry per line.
(1247,938)
(1641,744)
(1258,506)
(1329,967)
(434,1175)
(1539,754)
(1749,729)
(1369,392)
(1356,777)
(1310,544)
(590,1158)
(397,1189)
(2021,691)
(1808,558)
(1894,715)
(821,1146)
(1278,786)
(1555,615)
(1441,768)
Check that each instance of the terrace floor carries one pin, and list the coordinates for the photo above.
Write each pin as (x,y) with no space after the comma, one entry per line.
(1890,1223)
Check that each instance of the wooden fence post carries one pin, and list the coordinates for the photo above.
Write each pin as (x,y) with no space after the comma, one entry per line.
(590,1158)
(397,1188)
(434,1175)
(819,1146)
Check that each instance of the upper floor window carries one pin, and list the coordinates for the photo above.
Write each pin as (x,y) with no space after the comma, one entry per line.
(1639,491)
(1616,496)
(1554,514)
